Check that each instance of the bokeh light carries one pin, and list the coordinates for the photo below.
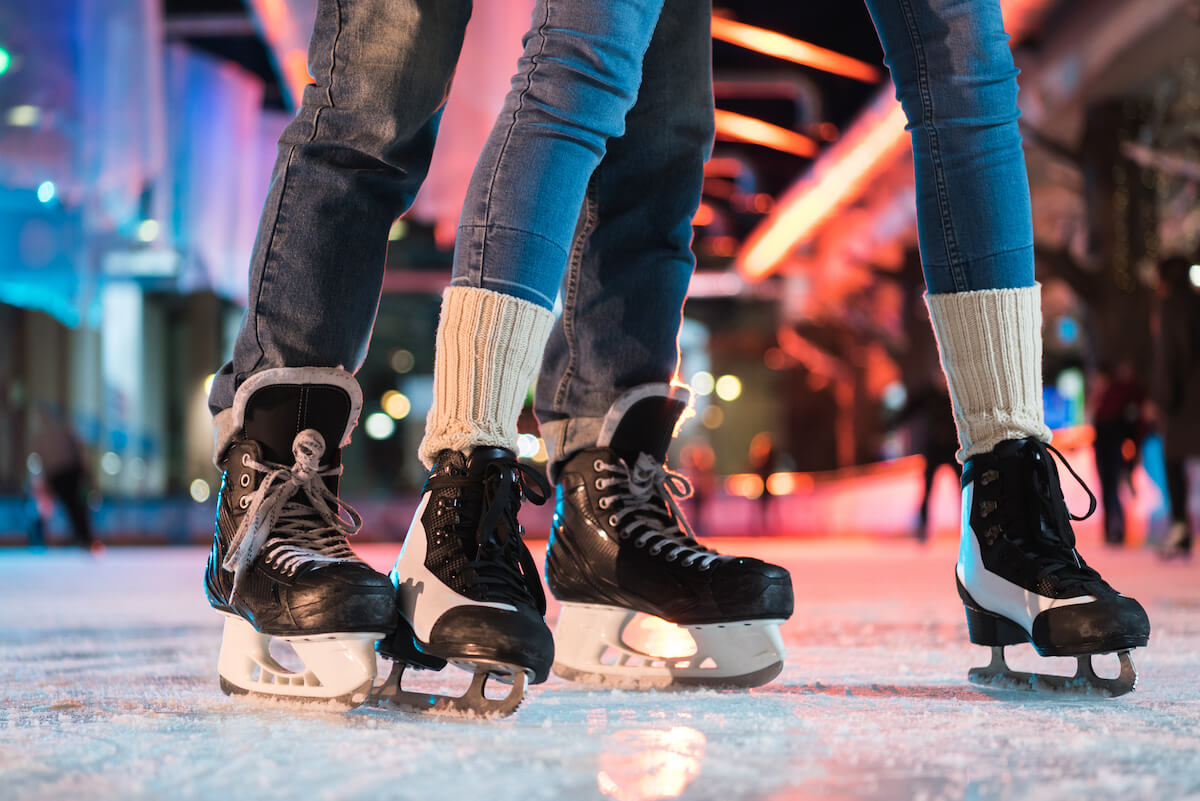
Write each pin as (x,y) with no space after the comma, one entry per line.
(199,490)
(379,426)
(396,404)
(729,387)
(702,383)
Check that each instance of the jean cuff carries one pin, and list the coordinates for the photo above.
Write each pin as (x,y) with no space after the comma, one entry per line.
(565,438)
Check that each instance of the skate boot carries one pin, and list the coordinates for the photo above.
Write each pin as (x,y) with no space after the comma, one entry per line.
(281,568)
(468,589)
(625,564)
(1022,580)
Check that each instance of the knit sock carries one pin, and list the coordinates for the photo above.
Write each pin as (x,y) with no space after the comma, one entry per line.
(489,346)
(991,348)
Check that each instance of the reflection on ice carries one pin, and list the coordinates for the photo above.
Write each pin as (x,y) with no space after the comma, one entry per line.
(649,764)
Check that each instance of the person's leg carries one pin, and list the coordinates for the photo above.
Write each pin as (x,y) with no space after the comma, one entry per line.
(1179,535)
(631,260)
(1109,467)
(1019,574)
(349,163)
(466,583)
(607,407)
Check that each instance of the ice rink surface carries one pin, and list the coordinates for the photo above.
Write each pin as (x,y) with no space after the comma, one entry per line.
(110,692)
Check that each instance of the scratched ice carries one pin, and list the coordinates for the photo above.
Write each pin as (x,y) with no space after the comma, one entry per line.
(110,692)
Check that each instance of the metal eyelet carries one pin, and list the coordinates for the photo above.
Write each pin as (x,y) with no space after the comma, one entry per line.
(604,502)
(987,507)
(244,501)
(245,460)
(244,480)
(612,520)
(599,484)
(988,477)
(597,465)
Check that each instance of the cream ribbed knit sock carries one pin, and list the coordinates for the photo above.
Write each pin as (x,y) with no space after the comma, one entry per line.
(489,346)
(991,348)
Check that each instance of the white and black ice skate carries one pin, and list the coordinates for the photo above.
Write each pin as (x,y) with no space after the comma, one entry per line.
(280,567)
(467,588)
(1021,579)
(621,550)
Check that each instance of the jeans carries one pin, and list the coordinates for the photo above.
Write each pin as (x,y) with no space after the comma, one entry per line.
(588,183)
(592,172)
(349,164)
(955,78)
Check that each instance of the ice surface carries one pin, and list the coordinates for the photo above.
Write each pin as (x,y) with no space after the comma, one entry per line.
(110,692)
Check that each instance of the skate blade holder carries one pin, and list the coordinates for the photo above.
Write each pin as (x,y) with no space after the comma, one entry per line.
(997,674)
(614,647)
(474,703)
(336,671)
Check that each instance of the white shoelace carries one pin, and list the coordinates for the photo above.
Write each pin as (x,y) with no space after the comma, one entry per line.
(272,514)
(643,489)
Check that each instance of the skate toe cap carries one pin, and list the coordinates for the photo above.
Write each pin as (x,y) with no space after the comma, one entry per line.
(342,598)
(747,589)
(1112,623)
(488,634)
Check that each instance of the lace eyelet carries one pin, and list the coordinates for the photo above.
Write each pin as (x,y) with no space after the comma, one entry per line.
(612,520)
(599,484)
(245,460)
(244,501)
(244,480)
(597,465)
(604,502)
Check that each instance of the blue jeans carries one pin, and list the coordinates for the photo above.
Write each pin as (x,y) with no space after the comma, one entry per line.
(588,183)
(349,164)
(955,78)
(593,171)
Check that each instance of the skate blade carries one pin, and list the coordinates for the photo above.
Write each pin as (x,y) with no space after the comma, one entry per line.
(616,648)
(997,674)
(471,704)
(338,668)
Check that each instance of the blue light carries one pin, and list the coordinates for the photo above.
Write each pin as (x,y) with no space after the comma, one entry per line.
(46,191)
(5,61)
(1068,330)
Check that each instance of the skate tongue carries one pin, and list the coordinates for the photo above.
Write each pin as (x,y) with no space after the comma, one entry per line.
(275,414)
(645,423)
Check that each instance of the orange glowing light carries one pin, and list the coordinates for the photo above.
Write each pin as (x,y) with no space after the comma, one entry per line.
(831,183)
(744,485)
(788,483)
(703,216)
(845,169)
(775,44)
(741,128)
(650,764)
(658,638)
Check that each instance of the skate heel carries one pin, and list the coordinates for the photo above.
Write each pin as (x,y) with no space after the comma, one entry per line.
(987,628)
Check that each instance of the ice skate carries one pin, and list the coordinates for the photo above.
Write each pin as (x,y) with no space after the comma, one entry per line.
(644,605)
(467,588)
(1021,579)
(281,568)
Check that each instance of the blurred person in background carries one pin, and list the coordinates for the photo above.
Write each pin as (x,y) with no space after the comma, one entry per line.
(1177,395)
(1118,404)
(933,436)
(64,472)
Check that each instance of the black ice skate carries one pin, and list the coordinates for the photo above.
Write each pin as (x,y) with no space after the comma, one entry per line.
(280,565)
(1022,580)
(467,587)
(621,546)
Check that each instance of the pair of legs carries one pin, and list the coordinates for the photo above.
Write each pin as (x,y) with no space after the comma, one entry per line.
(349,160)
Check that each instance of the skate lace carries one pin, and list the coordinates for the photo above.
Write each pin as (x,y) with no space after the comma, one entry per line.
(1053,539)
(291,530)
(643,507)
(498,561)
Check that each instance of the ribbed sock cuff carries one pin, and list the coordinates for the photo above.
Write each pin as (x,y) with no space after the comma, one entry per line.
(991,349)
(489,347)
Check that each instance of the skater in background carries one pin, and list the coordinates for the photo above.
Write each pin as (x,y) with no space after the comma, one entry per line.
(1019,575)
(1178,393)
(933,437)
(764,462)
(1118,404)
(64,472)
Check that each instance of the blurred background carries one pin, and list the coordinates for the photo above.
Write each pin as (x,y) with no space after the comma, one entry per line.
(136,142)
